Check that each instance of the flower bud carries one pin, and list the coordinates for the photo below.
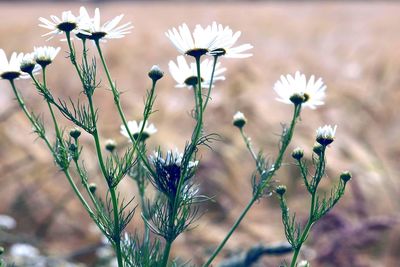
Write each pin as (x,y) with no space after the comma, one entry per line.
(298,153)
(317,148)
(156,73)
(73,148)
(92,188)
(280,190)
(239,120)
(110,145)
(75,133)
(345,176)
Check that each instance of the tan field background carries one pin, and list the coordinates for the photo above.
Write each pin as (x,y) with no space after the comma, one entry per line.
(354,46)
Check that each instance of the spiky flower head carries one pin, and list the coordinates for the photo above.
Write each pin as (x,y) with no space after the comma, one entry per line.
(135,128)
(239,120)
(326,134)
(44,55)
(168,171)
(186,74)
(297,90)
(226,39)
(109,30)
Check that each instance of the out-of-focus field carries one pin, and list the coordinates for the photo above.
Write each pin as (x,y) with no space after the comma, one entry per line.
(353,46)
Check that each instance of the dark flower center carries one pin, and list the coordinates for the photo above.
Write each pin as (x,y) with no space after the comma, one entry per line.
(10,75)
(192,81)
(28,68)
(218,52)
(96,35)
(197,52)
(66,26)
(143,137)
(43,62)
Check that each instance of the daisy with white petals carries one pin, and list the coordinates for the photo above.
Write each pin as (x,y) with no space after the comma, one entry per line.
(135,128)
(109,30)
(226,39)
(67,23)
(10,69)
(44,55)
(186,75)
(295,89)
(326,134)
(196,44)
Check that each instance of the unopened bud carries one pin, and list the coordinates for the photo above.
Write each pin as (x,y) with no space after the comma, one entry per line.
(280,190)
(345,176)
(92,188)
(156,73)
(317,148)
(239,120)
(75,133)
(111,145)
(298,153)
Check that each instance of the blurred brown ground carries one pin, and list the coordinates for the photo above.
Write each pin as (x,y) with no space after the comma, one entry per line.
(353,46)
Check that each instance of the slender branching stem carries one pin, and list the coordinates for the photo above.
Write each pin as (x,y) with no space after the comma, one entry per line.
(66,171)
(285,142)
(211,82)
(246,140)
(116,237)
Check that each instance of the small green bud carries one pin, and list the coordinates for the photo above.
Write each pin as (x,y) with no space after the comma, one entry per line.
(239,120)
(298,153)
(156,73)
(110,145)
(280,190)
(317,148)
(75,133)
(1,250)
(345,176)
(92,188)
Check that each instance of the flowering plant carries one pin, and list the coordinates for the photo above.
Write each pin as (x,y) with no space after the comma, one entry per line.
(176,205)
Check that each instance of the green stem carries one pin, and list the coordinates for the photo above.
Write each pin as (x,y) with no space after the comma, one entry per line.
(231,231)
(121,113)
(117,239)
(195,137)
(251,150)
(66,172)
(305,233)
(261,187)
(211,82)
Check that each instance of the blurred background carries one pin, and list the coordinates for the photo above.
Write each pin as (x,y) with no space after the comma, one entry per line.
(352,45)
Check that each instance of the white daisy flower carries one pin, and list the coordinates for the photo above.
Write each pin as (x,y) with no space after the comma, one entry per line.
(297,90)
(239,120)
(226,39)
(28,65)
(186,75)
(196,44)
(326,134)
(109,30)
(67,23)
(135,127)
(10,70)
(44,55)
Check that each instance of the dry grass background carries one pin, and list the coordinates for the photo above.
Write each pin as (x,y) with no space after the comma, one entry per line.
(353,46)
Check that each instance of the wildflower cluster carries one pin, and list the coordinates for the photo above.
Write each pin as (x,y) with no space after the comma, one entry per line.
(172,174)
